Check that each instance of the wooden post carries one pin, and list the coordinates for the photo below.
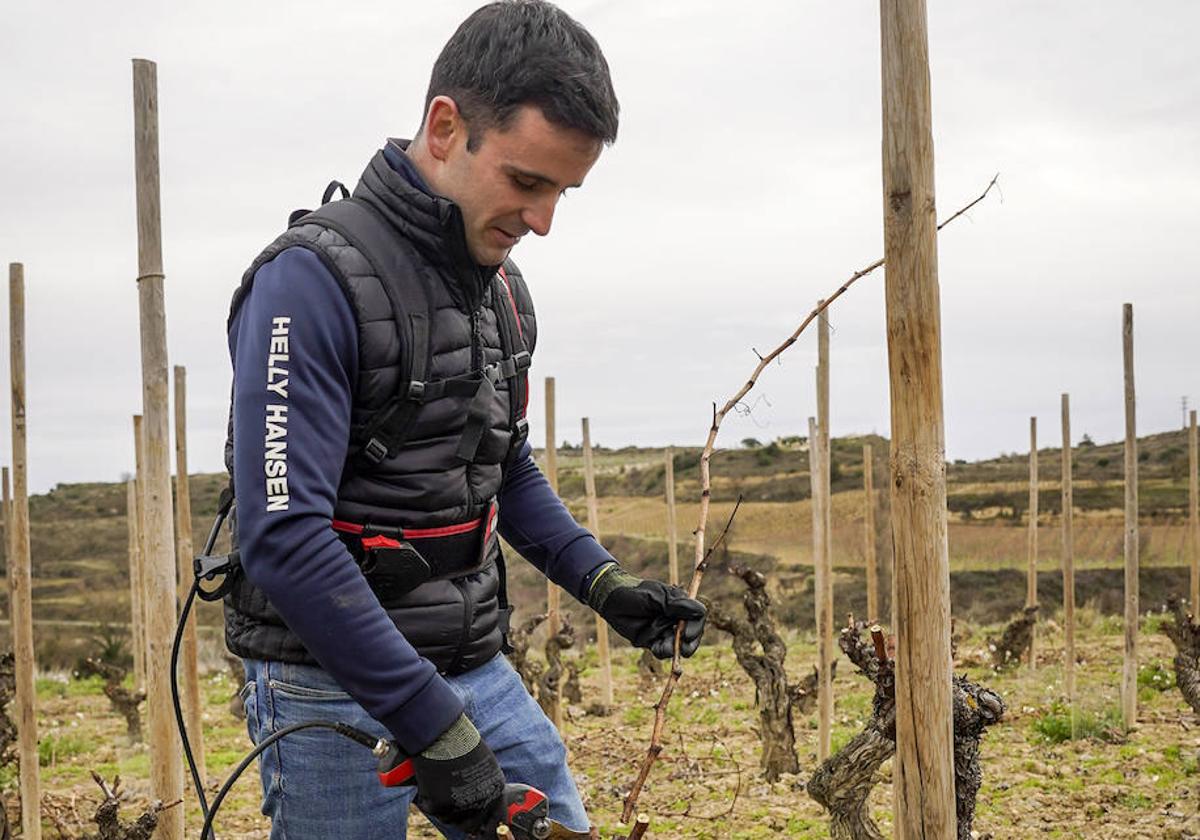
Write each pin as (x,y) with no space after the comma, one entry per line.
(133,506)
(593,514)
(821,607)
(137,572)
(8,529)
(871,560)
(553,598)
(672,532)
(1194,513)
(20,572)
(190,678)
(1068,559)
(1129,686)
(824,577)
(924,774)
(1031,596)
(166,763)
(553,593)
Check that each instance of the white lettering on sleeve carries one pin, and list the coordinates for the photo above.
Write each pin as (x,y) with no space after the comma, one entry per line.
(275,438)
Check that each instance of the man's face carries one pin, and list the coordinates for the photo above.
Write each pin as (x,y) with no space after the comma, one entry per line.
(511,183)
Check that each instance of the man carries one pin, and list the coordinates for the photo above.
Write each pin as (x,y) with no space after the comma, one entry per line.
(377,443)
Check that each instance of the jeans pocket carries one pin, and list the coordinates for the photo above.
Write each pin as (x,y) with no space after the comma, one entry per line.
(296,691)
(249,695)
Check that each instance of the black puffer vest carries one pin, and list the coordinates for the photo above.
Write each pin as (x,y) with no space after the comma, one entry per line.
(431,494)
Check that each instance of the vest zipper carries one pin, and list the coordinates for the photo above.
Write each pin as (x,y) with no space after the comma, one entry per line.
(476,341)
(468,614)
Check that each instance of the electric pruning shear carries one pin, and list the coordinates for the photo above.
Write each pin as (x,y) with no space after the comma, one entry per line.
(523,809)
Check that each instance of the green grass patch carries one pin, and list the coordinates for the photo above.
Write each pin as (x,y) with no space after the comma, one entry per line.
(55,748)
(1060,724)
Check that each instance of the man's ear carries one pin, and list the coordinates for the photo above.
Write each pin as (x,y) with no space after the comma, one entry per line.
(444,127)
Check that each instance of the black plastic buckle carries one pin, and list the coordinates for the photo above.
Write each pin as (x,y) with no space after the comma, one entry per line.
(522,430)
(210,567)
(416,391)
(375,451)
(523,360)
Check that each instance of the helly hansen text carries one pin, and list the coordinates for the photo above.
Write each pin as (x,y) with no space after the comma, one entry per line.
(275,452)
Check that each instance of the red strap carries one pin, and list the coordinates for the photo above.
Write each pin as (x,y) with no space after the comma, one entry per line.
(516,317)
(512,300)
(380,541)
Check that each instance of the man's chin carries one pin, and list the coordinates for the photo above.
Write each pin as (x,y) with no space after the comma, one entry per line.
(490,255)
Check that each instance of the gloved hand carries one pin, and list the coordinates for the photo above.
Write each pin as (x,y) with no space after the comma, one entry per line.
(458,779)
(646,611)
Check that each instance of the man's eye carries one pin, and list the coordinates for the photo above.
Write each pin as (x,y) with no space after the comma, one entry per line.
(526,184)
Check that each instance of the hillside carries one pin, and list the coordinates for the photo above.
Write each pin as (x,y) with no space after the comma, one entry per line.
(80,554)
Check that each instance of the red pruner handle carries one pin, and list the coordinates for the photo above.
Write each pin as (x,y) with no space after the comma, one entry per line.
(396,769)
(527,810)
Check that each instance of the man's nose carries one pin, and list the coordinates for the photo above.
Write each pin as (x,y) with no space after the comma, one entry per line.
(540,215)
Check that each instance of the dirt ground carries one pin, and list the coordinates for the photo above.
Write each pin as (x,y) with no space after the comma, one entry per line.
(1111,784)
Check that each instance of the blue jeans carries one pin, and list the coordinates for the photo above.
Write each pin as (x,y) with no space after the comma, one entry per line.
(318,784)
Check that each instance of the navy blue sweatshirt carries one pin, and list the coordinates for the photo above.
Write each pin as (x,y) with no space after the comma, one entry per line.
(294,555)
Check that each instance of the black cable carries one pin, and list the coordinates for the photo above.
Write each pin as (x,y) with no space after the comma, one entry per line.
(367,740)
(187,747)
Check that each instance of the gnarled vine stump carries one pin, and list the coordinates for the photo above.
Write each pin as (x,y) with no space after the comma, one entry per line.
(549,689)
(844,781)
(8,729)
(124,701)
(1014,642)
(1185,633)
(518,639)
(777,700)
(108,816)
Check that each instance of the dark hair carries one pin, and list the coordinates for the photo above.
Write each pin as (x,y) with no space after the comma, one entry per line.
(525,52)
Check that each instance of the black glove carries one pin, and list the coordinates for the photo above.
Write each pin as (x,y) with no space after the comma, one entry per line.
(458,779)
(646,611)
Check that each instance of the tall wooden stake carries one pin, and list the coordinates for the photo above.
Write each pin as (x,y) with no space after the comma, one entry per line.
(133,506)
(871,560)
(1194,512)
(166,763)
(672,529)
(185,553)
(1129,686)
(1068,559)
(138,557)
(593,514)
(8,529)
(924,775)
(816,457)
(824,576)
(553,594)
(1031,594)
(20,572)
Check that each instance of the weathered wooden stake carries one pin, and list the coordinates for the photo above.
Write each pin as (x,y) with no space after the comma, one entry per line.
(593,514)
(1194,513)
(826,653)
(190,677)
(1129,686)
(20,572)
(133,529)
(1031,595)
(137,568)
(924,770)
(816,457)
(166,763)
(553,598)
(553,593)
(871,560)
(1068,560)
(672,530)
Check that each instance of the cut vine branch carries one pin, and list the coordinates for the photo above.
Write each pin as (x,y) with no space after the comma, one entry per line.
(701,562)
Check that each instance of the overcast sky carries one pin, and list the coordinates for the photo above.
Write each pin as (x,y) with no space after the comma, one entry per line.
(745,184)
